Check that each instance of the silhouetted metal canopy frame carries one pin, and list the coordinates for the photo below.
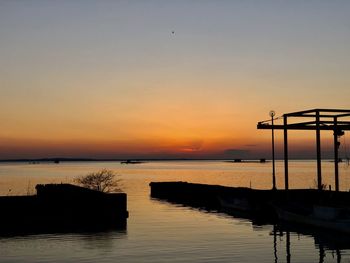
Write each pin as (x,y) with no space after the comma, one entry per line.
(336,120)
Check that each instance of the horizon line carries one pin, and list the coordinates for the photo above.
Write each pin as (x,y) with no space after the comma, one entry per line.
(82,159)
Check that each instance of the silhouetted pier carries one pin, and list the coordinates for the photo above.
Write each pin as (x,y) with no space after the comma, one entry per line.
(336,120)
(253,202)
(320,208)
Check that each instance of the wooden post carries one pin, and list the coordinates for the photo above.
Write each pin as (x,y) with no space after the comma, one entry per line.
(286,185)
(318,151)
(336,170)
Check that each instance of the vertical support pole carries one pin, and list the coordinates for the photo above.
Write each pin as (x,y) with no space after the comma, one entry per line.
(275,243)
(322,253)
(273,157)
(338,255)
(336,170)
(285,139)
(318,151)
(288,247)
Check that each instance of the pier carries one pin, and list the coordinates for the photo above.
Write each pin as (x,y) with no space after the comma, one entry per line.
(336,120)
(252,202)
(314,207)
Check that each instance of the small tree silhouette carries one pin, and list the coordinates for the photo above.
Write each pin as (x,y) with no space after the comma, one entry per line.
(103,181)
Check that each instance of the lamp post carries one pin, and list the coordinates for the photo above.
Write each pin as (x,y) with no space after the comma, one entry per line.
(272,114)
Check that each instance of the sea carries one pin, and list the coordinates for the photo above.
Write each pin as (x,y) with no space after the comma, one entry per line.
(158,231)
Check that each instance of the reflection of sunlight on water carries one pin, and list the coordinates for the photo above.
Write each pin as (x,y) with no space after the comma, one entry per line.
(20,177)
(158,231)
(62,245)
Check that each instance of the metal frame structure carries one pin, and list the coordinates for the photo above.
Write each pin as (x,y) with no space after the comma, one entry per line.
(336,120)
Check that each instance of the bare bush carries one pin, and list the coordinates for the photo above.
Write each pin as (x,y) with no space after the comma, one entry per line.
(103,181)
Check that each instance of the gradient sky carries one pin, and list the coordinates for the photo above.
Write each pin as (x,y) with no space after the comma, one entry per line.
(145,79)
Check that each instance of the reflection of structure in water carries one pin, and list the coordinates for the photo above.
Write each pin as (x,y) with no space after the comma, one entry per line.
(203,197)
(324,240)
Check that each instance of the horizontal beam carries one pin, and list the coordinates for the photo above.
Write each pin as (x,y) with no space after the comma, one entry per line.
(262,126)
(308,113)
(342,115)
(298,113)
(302,123)
(338,122)
(333,110)
(310,123)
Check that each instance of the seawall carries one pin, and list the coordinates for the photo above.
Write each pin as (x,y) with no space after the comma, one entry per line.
(61,207)
(257,203)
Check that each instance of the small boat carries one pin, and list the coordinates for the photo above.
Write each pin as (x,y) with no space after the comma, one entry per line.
(130,162)
(328,217)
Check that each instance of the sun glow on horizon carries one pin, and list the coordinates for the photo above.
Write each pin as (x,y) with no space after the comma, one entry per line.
(76,82)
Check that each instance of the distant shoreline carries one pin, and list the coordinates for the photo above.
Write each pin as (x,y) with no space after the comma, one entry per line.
(58,159)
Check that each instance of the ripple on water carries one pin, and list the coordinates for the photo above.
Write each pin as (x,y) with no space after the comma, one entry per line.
(158,231)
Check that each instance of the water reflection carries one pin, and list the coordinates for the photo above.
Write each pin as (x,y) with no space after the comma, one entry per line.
(102,240)
(76,246)
(275,244)
(83,229)
(162,232)
(327,242)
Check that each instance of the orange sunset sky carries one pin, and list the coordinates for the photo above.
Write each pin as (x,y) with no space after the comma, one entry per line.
(166,79)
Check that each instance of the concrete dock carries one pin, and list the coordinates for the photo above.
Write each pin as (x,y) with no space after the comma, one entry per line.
(253,202)
(63,207)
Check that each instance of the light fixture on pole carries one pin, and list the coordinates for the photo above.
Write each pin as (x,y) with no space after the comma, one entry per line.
(272,114)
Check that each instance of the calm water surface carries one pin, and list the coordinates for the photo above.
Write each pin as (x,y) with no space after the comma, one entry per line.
(161,232)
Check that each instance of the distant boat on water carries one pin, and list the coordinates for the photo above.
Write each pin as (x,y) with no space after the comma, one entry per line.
(262,160)
(130,162)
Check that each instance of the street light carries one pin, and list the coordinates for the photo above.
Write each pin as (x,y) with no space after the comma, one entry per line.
(272,114)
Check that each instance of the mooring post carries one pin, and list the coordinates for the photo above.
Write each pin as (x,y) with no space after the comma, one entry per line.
(286,186)
(318,150)
(336,145)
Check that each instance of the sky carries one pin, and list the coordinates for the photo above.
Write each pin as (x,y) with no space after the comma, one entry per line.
(167,79)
